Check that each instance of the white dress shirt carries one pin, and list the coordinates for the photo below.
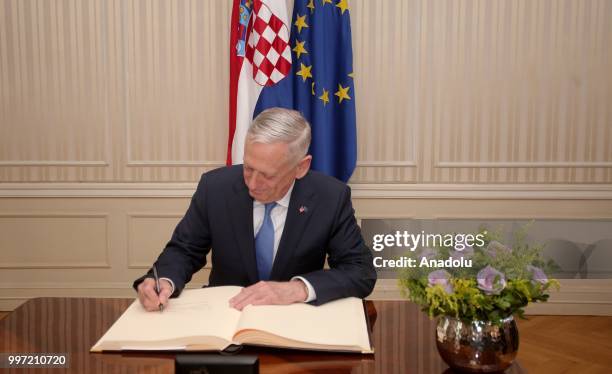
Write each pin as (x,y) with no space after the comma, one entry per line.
(278,216)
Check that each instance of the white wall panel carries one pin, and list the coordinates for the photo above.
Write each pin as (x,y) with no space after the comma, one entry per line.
(467,91)
(53,240)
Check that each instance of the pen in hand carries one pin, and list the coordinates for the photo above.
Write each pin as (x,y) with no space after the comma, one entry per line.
(157,287)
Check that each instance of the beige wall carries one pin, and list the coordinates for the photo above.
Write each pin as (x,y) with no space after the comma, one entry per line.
(494,109)
(447,91)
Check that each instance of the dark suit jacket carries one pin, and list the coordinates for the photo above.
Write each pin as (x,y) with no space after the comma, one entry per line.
(220,217)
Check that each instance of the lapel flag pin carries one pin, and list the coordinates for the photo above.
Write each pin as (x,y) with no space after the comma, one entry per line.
(303,209)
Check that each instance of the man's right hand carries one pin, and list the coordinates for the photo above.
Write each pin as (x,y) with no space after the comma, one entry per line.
(149,298)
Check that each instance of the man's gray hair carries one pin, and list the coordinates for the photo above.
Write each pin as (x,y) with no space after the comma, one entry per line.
(280,125)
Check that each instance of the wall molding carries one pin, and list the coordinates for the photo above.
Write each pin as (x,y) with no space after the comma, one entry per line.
(394,163)
(87,190)
(386,164)
(534,164)
(128,122)
(483,191)
(131,216)
(54,163)
(360,191)
(101,48)
(152,163)
(104,264)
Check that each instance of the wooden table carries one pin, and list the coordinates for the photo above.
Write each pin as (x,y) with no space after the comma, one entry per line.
(403,339)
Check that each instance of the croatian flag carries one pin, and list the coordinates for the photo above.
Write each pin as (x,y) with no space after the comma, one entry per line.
(304,64)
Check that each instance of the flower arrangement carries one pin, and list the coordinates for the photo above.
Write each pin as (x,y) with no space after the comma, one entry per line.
(500,282)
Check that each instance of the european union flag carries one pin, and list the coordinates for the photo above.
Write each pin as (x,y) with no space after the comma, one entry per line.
(320,84)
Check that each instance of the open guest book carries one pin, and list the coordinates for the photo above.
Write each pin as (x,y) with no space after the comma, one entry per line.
(202,320)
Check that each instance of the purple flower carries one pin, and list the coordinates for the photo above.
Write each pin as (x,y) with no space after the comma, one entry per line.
(461,242)
(537,274)
(495,248)
(428,253)
(442,278)
(465,253)
(491,281)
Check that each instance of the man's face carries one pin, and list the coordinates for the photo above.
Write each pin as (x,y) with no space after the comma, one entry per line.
(268,171)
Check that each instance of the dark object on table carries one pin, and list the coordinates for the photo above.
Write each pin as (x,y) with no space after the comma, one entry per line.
(214,364)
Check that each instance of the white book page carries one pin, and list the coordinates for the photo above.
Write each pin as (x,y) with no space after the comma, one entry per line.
(340,322)
(201,312)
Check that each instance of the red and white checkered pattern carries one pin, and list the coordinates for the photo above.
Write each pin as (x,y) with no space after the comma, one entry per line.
(268,47)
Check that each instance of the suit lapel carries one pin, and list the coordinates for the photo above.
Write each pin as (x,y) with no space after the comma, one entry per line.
(301,207)
(240,208)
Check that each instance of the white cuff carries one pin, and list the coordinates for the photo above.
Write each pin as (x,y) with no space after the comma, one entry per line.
(169,281)
(311,292)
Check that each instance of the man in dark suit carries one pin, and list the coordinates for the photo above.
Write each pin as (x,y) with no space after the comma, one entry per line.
(271,224)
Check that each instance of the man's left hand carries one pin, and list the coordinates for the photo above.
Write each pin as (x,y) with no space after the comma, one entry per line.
(270,293)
